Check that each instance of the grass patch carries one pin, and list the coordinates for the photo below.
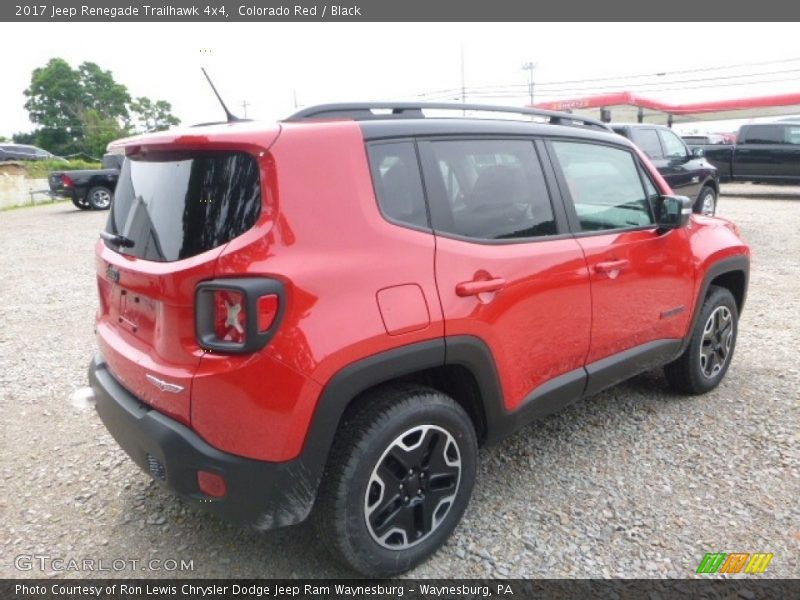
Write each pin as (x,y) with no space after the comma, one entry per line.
(38,169)
(58,200)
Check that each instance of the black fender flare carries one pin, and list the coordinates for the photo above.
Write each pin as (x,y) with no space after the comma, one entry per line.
(739,263)
(346,385)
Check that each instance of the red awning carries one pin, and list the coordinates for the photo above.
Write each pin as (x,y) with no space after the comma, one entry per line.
(626,106)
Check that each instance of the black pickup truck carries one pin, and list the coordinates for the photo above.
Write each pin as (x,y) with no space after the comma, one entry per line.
(764,153)
(89,188)
(687,171)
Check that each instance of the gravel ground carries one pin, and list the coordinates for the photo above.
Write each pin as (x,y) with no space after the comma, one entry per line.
(634,482)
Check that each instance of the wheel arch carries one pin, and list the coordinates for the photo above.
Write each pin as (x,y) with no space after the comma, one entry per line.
(732,273)
(460,366)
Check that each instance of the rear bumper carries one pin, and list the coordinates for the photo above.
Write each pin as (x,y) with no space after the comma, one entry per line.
(259,494)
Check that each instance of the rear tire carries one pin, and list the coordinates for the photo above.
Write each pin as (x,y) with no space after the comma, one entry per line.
(706,202)
(705,361)
(99,198)
(399,477)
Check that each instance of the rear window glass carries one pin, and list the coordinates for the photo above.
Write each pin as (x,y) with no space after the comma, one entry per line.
(764,134)
(179,205)
(492,190)
(647,140)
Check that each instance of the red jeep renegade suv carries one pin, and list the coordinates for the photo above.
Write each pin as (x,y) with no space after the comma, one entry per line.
(335,311)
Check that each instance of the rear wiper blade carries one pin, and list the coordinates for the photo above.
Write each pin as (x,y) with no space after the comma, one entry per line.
(117,239)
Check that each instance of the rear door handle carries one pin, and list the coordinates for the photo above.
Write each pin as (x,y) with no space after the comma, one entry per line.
(611,266)
(475,287)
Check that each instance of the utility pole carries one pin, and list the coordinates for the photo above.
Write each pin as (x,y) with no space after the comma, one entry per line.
(294,95)
(463,80)
(529,67)
(245,104)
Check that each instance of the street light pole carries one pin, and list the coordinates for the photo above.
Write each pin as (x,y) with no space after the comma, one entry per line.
(529,67)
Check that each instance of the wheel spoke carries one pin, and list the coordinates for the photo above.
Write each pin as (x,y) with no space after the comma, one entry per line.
(392,516)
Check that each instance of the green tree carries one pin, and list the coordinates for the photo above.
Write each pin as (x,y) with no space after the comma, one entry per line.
(98,131)
(81,110)
(152,116)
(55,96)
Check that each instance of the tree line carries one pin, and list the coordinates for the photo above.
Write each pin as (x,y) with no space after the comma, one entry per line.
(81,110)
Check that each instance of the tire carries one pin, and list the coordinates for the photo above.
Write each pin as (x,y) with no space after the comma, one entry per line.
(81,203)
(703,364)
(99,198)
(414,437)
(706,202)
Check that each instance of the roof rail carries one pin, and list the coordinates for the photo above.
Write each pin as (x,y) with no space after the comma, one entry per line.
(363,111)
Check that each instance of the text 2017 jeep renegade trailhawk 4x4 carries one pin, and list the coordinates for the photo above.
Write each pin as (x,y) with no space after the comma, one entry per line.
(330,314)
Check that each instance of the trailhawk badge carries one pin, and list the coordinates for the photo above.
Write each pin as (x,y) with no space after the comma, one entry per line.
(164,386)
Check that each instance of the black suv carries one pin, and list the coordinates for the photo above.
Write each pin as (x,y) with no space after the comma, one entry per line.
(687,172)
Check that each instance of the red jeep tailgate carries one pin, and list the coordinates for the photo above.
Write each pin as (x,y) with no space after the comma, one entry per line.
(181,197)
(145,325)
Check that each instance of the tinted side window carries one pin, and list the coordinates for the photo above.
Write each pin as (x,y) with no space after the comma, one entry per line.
(792,135)
(764,134)
(493,189)
(673,146)
(647,140)
(605,186)
(398,183)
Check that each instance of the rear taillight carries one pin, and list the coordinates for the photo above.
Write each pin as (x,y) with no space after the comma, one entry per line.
(237,315)
(66,181)
(229,316)
(267,311)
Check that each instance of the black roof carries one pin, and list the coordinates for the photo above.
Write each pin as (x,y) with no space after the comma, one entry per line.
(380,120)
(374,129)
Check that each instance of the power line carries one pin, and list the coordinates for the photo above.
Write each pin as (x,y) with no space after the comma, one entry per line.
(655,90)
(448,91)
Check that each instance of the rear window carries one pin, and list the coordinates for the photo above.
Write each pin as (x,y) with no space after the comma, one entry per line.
(176,206)
(764,134)
(647,140)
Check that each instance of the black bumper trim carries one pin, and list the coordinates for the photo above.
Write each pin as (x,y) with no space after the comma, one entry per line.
(260,494)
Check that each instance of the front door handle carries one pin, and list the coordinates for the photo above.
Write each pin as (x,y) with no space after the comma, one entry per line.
(475,287)
(612,266)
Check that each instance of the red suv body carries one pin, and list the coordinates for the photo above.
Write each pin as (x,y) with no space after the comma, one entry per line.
(279,301)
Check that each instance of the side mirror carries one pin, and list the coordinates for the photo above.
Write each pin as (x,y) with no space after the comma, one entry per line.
(674,212)
(698,152)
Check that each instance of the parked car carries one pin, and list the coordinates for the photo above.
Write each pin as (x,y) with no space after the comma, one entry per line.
(687,172)
(703,140)
(25,152)
(88,188)
(763,152)
(335,312)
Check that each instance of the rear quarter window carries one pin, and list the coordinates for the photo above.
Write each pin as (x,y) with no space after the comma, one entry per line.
(398,183)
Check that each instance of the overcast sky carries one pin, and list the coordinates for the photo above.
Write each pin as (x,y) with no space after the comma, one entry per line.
(268,64)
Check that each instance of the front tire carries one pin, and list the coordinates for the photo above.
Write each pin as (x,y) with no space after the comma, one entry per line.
(399,477)
(706,202)
(99,198)
(705,361)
